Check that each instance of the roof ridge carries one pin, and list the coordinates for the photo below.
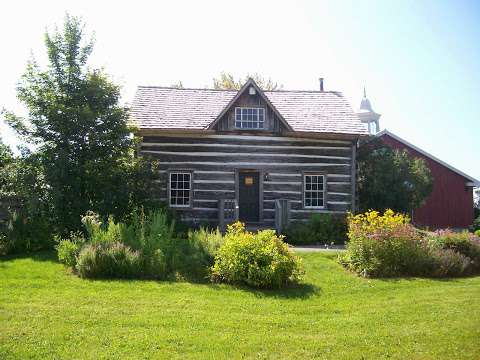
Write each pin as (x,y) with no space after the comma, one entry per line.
(176,88)
(235,90)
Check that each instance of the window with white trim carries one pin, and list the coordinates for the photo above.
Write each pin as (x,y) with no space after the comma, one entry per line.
(180,189)
(249,118)
(314,191)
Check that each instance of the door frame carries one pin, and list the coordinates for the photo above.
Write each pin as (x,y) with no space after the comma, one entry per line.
(260,190)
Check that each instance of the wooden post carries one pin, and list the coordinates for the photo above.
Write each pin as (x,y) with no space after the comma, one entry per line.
(221,215)
(236,210)
(353,177)
(282,214)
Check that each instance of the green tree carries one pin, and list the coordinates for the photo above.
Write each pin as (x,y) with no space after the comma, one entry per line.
(6,159)
(82,140)
(391,179)
(177,85)
(226,81)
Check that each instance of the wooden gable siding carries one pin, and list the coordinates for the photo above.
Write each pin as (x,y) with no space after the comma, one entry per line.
(216,159)
(272,122)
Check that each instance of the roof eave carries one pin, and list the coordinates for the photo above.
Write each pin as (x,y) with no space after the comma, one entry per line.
(472,181)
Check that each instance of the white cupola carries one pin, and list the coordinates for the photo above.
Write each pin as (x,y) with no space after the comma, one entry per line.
(368,116)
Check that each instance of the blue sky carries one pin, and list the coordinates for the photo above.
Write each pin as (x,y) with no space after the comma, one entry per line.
(419,60)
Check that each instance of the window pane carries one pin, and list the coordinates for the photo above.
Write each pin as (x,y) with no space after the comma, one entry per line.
(313,191)
(180,189)
(249,118)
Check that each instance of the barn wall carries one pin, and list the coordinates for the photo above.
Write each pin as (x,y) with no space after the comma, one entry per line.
(450,204)
(214,160)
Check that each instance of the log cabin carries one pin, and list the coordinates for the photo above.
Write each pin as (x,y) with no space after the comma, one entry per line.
(264,157)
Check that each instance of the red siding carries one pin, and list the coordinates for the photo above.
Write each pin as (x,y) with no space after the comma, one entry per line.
(450,204)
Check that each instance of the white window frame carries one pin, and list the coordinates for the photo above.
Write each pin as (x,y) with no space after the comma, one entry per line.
(323,192)
(190,182)
(258,110)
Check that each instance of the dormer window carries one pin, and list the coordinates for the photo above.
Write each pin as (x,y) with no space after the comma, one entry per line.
(249,118)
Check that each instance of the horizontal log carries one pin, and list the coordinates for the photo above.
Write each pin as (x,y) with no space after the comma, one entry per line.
(238,138)
(224,156)
(344,188)
(243,149)
(213,195)
(196,164)
(192,146)
(201,203)
(280,195)
(284,187)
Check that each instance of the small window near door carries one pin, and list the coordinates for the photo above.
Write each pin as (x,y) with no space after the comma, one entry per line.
(180,189)
(314,191)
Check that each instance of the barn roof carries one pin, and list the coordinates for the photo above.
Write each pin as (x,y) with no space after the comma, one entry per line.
(196,109)
(473,181)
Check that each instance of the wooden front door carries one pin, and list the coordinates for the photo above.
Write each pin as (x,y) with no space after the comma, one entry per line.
(248,196)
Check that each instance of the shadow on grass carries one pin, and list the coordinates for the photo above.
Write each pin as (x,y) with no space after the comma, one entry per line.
(297,291)
(47,255)
(415,278)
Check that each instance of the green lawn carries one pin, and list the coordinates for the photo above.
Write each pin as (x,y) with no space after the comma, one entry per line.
(45,312)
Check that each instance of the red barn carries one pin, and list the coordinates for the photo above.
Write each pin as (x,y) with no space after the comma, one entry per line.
(451,202)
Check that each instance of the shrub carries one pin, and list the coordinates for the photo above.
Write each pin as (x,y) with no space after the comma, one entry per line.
(4,244)
(319,229)
(68,249)
(67,252)
(198,253)
(476,224)
(463,243)
(108,260)
(449,263)
(387,245)
(260,260)
(152,237)
(98,233)
(384,246)
(477,233)
(26,234)
(207,242)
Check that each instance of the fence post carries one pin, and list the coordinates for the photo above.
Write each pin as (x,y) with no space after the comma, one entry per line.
(236,210)
(221,214)
(282,214)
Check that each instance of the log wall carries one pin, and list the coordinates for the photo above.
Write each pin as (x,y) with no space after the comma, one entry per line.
(215,160)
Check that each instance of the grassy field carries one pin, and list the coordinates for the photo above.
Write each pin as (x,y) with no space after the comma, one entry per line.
(46,312)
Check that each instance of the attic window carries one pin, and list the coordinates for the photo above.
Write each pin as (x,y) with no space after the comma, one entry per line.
(249,118)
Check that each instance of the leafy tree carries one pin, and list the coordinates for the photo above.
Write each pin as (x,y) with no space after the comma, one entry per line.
(226,81)
(6,158)
(177,85)
(390,178)
(83,144)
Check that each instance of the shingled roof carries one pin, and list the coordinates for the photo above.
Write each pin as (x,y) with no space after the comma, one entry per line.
(189,109)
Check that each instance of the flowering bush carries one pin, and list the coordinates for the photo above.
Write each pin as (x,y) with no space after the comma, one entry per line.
(388,245)
(259,259)
(384,245)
